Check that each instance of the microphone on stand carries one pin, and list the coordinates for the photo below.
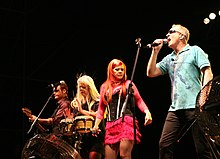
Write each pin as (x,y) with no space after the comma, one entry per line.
(52,86)
(57,84)
(138,40)
(148,46)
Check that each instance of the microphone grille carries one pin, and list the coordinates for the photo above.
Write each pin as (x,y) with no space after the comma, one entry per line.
(165,41)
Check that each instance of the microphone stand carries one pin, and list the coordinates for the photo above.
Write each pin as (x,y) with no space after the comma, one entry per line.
(130,91)
(35,121)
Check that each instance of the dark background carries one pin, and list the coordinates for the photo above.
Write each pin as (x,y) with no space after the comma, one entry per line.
(42,42)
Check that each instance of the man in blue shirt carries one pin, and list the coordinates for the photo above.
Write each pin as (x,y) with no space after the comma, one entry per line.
(189,69)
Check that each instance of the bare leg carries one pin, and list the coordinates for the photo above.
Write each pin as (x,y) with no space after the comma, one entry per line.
(126,147)
(111,151)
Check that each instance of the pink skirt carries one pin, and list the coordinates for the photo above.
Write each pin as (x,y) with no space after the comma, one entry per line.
(118,130)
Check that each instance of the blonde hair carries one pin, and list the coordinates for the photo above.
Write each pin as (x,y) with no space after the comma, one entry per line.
(184,31)
(93,96)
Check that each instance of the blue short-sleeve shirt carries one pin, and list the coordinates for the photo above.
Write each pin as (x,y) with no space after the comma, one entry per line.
(185,74)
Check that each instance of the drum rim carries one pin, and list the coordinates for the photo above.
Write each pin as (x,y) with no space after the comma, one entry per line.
(85,117)
(67,121)
(63,146)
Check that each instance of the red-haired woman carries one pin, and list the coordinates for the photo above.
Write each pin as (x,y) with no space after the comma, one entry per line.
(119,137)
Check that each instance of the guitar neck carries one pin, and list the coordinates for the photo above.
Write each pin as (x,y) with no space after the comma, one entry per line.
(28,113)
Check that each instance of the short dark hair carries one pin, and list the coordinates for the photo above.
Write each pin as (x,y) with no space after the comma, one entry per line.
(62,85)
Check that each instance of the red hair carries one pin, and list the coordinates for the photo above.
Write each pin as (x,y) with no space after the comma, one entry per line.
(107,85)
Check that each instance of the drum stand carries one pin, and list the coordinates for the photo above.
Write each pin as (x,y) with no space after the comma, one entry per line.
(210,141)
(77,144)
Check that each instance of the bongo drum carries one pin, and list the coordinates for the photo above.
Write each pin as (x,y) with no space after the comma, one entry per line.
(83,124)
(67,127)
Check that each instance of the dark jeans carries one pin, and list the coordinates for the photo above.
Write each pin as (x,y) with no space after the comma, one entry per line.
(174,122)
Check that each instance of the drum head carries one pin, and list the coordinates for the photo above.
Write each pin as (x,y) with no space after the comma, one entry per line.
(48,147)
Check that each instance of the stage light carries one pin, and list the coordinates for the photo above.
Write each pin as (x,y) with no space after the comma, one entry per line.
(212,16)
(206,20)
(218,12)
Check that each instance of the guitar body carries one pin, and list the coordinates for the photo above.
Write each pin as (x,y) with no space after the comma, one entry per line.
(28,113)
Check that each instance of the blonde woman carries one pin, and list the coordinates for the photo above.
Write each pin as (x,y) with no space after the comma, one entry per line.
(87,101)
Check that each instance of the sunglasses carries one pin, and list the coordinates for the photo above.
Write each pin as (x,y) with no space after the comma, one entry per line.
(171,31)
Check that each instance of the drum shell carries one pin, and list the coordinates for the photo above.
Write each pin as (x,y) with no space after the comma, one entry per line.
(83,124)
(67,127)
(47,146)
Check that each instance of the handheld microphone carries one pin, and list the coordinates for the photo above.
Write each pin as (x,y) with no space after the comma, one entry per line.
(148,46)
